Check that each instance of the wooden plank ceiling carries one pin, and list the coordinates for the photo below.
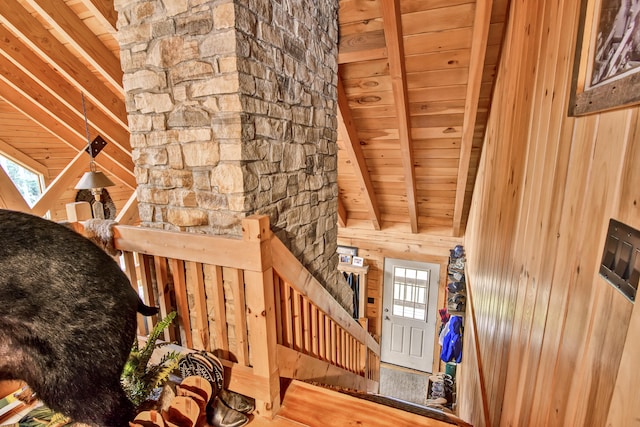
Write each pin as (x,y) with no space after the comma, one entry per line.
(415,85)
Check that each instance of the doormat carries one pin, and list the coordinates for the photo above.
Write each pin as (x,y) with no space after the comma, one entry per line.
(404,385)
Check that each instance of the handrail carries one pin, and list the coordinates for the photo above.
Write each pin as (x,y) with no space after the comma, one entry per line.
(233,295)
(290,269)
(225,251)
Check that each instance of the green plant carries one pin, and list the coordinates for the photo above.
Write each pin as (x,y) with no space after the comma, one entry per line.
(139,377)
(42,416)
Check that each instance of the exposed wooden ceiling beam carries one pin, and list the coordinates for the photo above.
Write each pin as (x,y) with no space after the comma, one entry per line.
(10,197)
(129,215)
(349,133)
(36,102)
(393,34)
(65,180)
(104,11)
(481,26)
(33,76)
(37,38)
(22,159)
(66,22)
(58,102)
(111,158)
(342,213)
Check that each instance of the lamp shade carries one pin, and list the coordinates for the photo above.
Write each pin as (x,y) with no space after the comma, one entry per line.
(93,179)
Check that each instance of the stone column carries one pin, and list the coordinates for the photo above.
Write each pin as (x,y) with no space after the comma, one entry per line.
(232,112)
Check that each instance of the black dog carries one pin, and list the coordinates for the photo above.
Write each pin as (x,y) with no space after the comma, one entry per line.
(68,319)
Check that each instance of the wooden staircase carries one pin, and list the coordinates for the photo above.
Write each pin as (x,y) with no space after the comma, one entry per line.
(274,327)
(317,406)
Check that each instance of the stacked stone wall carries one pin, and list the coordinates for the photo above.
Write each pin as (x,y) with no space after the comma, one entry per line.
(182,96)
(232,111)
(287,62)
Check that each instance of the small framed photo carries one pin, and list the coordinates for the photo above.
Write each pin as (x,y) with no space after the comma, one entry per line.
(347,250)
(345,259)
(358,261)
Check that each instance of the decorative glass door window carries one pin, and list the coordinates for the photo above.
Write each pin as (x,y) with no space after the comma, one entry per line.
(410,293)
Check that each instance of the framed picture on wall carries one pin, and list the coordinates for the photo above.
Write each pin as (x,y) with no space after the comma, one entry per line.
(606,71)
(345,259)
(347,250)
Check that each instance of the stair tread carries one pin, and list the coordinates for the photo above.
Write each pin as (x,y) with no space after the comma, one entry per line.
(314,405)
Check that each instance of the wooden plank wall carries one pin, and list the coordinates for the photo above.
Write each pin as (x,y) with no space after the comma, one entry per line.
(375,246)
(552,335)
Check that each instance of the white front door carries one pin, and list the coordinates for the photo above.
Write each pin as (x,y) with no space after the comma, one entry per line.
(409,313)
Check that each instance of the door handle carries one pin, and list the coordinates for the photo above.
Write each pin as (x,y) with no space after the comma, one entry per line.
(387,318)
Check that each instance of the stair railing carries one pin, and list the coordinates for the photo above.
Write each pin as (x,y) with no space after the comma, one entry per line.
(253,304)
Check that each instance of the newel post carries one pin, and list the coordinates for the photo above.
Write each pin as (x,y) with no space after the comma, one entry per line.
(261,316)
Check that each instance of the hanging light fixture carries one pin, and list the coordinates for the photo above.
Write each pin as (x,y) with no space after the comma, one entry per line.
(93,180)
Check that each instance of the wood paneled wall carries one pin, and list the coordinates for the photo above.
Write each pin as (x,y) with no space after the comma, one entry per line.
(552,335)
(375,246)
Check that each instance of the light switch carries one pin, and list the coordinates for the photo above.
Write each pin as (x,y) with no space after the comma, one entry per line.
(620,264)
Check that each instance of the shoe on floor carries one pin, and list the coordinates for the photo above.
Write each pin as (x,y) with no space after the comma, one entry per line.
(437,401)
(237,401)
(223,416)
(205,365)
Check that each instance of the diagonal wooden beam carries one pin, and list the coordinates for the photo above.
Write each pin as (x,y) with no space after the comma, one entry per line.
(27,98)
(65,180)
(349,133)
(28,72)
(342,213)
(122,167)
(27,28)
(129,215)
(10,197)
(22,159)
(482,21)
(104,12)
(393,34)
(66,22)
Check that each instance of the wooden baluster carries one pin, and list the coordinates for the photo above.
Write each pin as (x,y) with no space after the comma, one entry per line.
(130,270)
(277,287)
(297,322)
(345,343)
(352,354)
(327,340)
(334,344)
(287,301)
(148,295)
(343,347)
(182,302)
(195,283)
(314,331)
(164,294)
(322,336)
(355,360)
(235,278)
(338,346)
(306,325)
(214,289)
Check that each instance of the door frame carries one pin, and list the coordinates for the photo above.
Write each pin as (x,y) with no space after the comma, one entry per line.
(442,282)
